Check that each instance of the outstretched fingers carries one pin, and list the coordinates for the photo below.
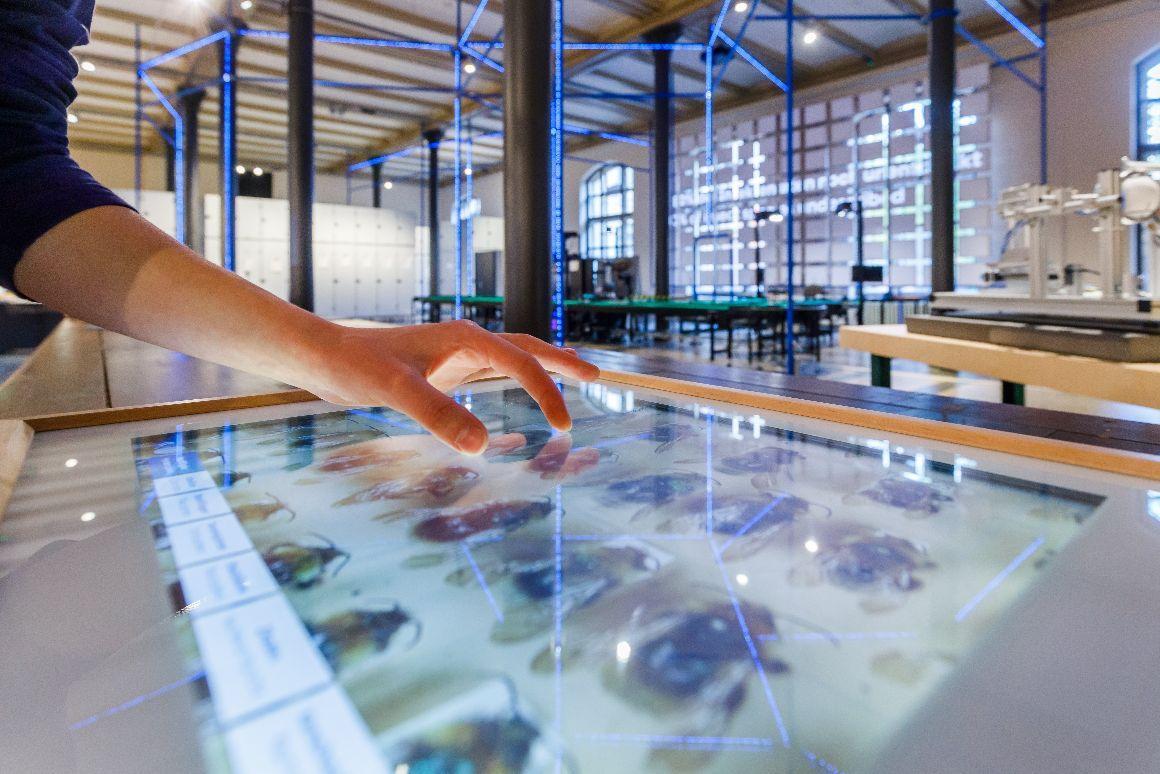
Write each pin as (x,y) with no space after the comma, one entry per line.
(447,420)
(508,359)
(563,361)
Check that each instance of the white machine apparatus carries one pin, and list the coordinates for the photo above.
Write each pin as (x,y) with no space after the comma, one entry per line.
(1028,280)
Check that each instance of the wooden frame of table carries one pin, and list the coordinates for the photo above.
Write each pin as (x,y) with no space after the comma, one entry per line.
(1137,383)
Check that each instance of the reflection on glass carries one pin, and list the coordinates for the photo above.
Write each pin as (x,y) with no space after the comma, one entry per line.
(666,587)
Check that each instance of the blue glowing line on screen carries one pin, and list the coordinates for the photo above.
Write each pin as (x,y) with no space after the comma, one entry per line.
(381,419)
(557,183)
(706,742)
(636,536)
(137,701)
(835,636)
(145,503)
(558,619)
(761,68)
(180,51)
(472,22)
(482,581)
(993,584)
(1015,22)
(709,477)
(752,522)
(751,645)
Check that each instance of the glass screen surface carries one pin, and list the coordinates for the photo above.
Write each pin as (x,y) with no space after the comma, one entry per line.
(668,587)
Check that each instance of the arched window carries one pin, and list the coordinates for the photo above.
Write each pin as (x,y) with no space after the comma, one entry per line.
(606,206)
(1148,108)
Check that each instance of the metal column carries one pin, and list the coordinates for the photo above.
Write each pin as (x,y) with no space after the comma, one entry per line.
(662,153)
(433,138)
(377,186)
(527,168)
(941,55)
(189,103)
(300,166)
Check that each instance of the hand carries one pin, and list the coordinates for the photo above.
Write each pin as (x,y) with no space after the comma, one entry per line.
(410,368)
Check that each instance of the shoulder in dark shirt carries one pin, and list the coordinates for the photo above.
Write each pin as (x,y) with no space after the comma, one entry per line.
(40,185)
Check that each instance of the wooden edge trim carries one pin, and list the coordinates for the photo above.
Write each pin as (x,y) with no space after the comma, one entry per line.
(77,419)
(15,438)
(1047,449)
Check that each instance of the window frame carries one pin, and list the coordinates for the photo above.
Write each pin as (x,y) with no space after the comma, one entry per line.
(594,212)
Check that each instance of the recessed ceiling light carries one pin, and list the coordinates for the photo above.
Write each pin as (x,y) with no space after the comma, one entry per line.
(247,4)
(468,172)
(741,7)
(71,462)
(88,66)
(257,171)
(810,37)
(72,118)
(388,185)
(240,169)
(88,516)
(469,68)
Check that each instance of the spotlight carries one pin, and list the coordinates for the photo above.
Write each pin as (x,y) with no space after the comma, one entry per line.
(257,171)
(469,68)
(810,37)
(88,516)
(72,118)
(240,169)
(388,185)
(247,4)
(467,172)
(88,66)
(741,7)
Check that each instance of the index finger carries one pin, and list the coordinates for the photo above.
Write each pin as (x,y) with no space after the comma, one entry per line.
(510,360)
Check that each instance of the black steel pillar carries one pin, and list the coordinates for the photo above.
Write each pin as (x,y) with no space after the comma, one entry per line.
(189,105)
(662,147)
(300,164)
(433,138)
(377,186)
(941,55)
(527,180)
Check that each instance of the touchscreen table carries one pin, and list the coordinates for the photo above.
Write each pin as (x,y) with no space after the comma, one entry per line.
(671,586)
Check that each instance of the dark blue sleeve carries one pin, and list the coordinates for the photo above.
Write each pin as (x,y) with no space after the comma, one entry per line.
(40,185)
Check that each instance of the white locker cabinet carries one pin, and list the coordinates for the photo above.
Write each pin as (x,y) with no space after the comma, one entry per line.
(365,280)
(323,279)
(275,222)
(249,261)
(344,281)
(276,260)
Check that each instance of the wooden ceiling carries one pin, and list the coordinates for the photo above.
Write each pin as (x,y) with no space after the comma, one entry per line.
(352,124)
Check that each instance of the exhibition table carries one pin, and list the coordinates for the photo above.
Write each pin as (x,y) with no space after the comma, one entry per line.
(702,575)
(1137,383)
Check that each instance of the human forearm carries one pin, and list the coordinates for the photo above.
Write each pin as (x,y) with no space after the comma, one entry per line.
(110,267)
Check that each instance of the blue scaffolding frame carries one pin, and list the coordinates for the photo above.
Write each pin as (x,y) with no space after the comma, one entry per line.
(480,50)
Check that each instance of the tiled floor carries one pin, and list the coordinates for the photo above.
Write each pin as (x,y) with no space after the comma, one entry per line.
(845,365)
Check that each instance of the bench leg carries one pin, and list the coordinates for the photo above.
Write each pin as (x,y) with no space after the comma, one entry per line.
(879,371)
(1013,393)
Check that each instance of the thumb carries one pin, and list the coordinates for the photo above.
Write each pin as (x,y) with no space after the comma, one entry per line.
(447,420)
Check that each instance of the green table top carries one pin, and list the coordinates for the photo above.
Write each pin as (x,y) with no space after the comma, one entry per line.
(655,305)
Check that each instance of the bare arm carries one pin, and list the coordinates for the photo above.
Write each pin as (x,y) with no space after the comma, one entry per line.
(111,267)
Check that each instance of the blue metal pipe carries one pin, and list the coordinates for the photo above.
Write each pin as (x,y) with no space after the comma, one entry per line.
(733,45)
(557,153)
(614,95)
(486,60)
(761,68)
(995,57)
(472,22)
(228,151)
(457,193)
(577,46)
(715,30)
(843,17)
(354,40)
(180,51)
(1017,23)
(381,159)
